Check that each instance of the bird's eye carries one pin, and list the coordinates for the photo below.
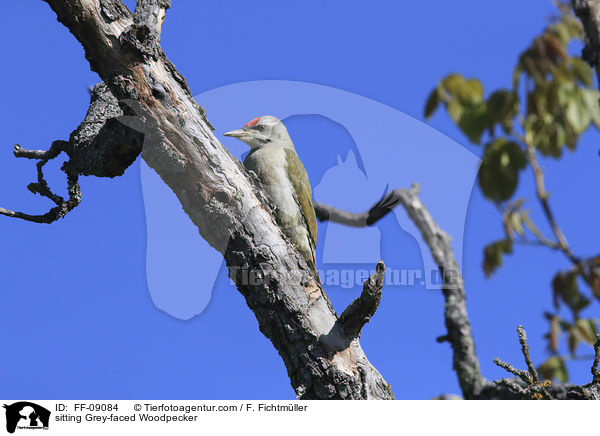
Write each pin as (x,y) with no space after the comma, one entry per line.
(260,127)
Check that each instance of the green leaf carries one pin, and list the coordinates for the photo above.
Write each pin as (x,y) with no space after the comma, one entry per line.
(499,171)
(432,103)
(554,369)
(530,65)
(582,71)
(591,100)
(571,137)
(562,31)
(463,99)
(577,113)
(493,253)
(544,133)
(455,110)
(585,330)
(516,77)
(503,106)
(559,135)
(574,27)
(566,288)
(473,121)
(467,92)
(566,91)
(502,100)
(475,90)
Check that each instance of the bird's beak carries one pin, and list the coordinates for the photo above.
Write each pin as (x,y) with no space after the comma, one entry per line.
(237,133)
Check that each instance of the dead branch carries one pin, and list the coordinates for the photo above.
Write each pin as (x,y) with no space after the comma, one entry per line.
(63,207)
(459,334)
(360,311)
(531,387)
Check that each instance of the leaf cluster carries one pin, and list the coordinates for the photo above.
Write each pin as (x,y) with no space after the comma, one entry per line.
(551,102)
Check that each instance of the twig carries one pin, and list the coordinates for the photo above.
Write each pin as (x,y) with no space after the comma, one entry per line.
(525,350)
(523,375)
(542,195)
(533,387)
(41,187)
(540,240)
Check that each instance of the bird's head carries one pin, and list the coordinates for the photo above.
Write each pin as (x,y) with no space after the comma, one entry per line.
(261,131)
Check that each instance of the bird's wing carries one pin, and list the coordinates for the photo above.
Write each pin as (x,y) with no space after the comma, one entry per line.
(299,178)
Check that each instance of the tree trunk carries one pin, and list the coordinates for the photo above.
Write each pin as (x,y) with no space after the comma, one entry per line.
(293,311)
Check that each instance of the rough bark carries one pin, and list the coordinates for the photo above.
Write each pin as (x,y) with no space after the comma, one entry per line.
(104,145)
(220,198)
(360,311)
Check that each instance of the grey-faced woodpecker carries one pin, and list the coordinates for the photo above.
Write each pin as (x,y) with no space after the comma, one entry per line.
(274,160)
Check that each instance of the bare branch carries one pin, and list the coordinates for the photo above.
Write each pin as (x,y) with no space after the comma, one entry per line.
(63,207)
(459,335)
(360,311)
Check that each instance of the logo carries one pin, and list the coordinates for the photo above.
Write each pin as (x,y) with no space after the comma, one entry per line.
(355,150)
(26,415)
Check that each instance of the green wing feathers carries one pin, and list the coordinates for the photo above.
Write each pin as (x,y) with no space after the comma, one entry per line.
(299,178)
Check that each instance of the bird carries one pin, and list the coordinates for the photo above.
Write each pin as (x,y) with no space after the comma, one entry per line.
(273,159)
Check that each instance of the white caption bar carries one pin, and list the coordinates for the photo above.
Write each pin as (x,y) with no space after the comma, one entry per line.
(23,417)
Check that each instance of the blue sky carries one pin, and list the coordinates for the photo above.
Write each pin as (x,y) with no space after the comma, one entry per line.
(77,316)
